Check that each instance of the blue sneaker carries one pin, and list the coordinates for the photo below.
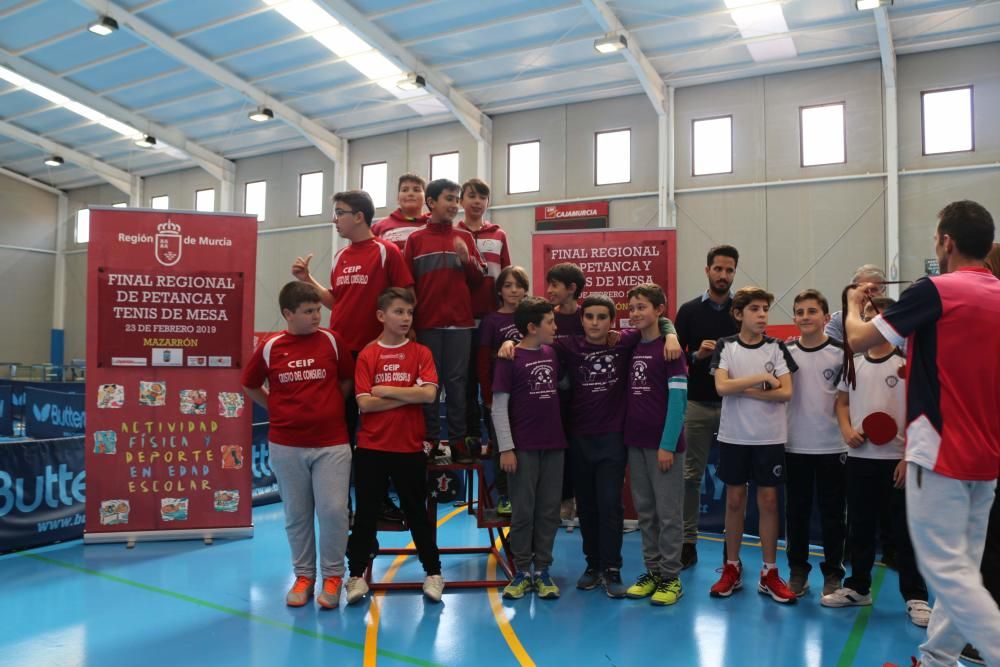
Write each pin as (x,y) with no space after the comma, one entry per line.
(518,586)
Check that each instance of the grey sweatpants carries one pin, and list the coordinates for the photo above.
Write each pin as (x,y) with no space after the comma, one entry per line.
(450,349)
(314,481)
(701,424)
(658,498)
(535,493)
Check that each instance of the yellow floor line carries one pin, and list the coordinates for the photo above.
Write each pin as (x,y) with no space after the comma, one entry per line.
(751,544)
(499,614)
(371,633)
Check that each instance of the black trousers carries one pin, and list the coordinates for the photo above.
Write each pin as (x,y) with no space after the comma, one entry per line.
(869,489)
(822,477)
(991,553)
(473,413)
(408,472)
(598,476)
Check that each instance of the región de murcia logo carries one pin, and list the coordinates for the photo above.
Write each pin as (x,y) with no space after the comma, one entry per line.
(168,243)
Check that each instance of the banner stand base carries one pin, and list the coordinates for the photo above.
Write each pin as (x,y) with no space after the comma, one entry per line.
(206,534)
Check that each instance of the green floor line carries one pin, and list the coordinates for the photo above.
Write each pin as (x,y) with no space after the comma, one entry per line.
(358,646)
(853,643)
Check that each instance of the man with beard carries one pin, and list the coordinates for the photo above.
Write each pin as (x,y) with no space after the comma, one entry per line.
(700,323)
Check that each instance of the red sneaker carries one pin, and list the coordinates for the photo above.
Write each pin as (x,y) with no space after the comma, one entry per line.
(731,580)
(773,585)
(913,663)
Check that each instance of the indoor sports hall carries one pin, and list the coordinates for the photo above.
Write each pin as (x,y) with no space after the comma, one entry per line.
(606,333)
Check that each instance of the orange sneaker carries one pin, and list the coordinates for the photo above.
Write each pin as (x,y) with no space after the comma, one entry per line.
(300,592)
(330,597)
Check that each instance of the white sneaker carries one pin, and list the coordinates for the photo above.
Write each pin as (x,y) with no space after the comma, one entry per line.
(357,588)
(433,587)
(846,597)
(919,612)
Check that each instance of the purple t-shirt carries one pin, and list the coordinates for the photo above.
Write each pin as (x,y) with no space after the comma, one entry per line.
(568,325)
(496,328)
(599,378)
(647,395)
(531,380)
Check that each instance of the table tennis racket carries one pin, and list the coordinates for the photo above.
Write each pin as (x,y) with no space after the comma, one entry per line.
(879,428)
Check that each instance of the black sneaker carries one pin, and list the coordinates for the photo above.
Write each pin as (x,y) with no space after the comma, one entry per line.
(391,512)
(970,654)
(613,584)
(689,555)
(589,579)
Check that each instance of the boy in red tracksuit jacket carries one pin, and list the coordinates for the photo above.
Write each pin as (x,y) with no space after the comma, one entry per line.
(491,241)
(410,215)
(447,267)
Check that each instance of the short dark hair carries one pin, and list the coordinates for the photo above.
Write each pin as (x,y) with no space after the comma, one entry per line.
(745,295)
(598,300)
(477,184)
(725,251)
(969,225)
(411,178)
(359,201)
(567,273)
(531,310)
(813,295)
(438,186)
(519,274)
(882,302)
(296,293)
(650,291)
(390,294)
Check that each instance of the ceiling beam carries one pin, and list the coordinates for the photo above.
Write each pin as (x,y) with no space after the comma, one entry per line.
(472,118)
(113,175)
(30,181)
(651,80)
(885,46)
(216,165)
(325,140)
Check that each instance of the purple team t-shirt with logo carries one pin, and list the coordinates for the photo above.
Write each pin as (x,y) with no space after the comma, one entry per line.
(647,395)
(568,325)
(496,328)
(531,380)
(599,376)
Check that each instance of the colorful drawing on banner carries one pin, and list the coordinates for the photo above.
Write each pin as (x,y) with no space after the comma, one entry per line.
(110,396)
(174,509)
(227,500)
(230,404)
(194,402)
(105,442)
(232,457)
(152,393)
(168,356)
(114,512)
(220,362)
(197,361)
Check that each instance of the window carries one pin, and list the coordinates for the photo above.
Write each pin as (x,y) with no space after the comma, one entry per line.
(163,201)
(445,165)
(310,194)
(121,204)
(947,120)
(374,180)
(204,200)
(613,157)
(523,167)
(255,199)
(82,234)
(822,134)
(712,146)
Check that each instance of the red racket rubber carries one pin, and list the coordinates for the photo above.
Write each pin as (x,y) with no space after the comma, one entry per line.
(879,428)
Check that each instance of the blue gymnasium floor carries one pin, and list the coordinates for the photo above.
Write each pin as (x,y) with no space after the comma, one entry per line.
(184,603)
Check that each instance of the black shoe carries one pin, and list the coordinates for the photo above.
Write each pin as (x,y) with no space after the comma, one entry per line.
(970,654)
(391,512)
(374,551)
(689,555)
(461,450)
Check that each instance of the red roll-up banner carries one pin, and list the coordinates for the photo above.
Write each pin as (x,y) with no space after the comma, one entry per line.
(612,260)
(170,304)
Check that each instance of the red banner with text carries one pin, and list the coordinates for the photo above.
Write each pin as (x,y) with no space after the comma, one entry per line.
(612,260)
(170,303)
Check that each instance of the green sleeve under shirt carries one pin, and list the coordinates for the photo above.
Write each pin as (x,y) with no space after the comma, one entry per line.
(676,407)
(667,327)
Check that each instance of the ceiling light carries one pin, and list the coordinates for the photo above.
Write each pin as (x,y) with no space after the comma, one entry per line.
(104,27)
(54,161)
(146,141)
(862,5)
(411,82)
(611,43)
(261,115)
